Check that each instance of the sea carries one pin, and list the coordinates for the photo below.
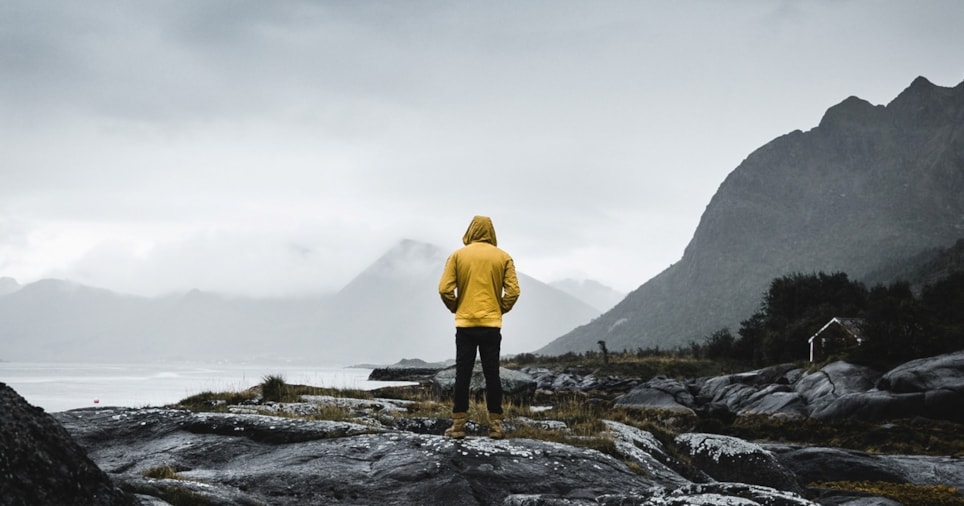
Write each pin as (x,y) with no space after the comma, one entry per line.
(57,387)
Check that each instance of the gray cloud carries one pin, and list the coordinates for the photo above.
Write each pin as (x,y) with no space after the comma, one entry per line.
(141,143)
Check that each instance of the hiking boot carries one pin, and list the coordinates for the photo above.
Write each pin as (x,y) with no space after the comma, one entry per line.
(495,426)
(457,430)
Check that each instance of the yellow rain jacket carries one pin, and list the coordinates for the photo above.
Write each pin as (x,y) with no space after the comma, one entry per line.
(479,283)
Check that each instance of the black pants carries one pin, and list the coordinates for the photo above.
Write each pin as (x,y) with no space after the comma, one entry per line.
(488,341)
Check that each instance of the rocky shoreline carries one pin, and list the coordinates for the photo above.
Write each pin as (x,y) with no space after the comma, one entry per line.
(276,454)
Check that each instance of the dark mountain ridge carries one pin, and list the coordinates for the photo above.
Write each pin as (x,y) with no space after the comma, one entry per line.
(868,187)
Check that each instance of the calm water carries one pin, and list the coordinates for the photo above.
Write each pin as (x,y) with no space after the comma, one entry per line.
(59,386)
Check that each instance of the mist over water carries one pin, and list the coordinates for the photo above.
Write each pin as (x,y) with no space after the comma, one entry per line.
(62,386)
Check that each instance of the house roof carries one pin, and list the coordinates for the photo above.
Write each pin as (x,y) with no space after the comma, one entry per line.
(850,324)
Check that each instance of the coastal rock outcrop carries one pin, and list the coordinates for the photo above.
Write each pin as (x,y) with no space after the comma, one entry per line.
(726,458)
(41,464)
(817,464)
(242,458)
(374,453)
(247,455)
(930,387)
(334,462)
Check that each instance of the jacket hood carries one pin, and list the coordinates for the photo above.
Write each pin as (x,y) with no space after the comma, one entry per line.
(480,230)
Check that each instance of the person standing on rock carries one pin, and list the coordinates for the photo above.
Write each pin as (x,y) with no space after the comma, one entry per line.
(479,285)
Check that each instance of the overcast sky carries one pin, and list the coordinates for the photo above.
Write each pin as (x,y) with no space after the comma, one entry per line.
(279,148)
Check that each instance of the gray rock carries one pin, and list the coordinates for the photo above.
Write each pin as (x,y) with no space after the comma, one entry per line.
(659,393)
(742,392)
(833,381)
(546,500)
(41,464)
(728,494)
(643,449)
(940,379)
(812,464)
(416,374)
(551,425)
(929,470)
(775,401)
(565,382)
(572,381)
(253,459)
(541,375)
(235,459)
(248,457)
(707,494)
(731,459)
(517,386)
(227,458)
(944,404)
(933,373)
(871,500)
(870,406)
(932,388)
(726,391)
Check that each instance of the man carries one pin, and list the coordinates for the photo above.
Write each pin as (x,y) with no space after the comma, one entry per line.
(479,285)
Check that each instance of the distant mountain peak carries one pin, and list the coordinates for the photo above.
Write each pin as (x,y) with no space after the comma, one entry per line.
(408,259)
(921,82)
(926,101)
(852,111)
(53,284)
(591,292)
(8,285)
(411,247)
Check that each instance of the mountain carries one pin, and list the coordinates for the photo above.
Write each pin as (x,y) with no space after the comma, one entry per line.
(869,187)
(591,292)
(391,310)
(56,320)
(925,268)
(8,286)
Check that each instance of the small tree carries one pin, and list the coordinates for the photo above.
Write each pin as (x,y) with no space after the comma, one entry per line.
(943,302)
(605,352)
(749,347)
(892,328)
(720,345)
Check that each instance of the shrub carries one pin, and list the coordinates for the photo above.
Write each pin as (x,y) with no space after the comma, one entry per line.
(274,388)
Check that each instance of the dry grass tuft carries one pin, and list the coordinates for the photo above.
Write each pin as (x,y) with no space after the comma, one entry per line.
(904,493)
(161,473)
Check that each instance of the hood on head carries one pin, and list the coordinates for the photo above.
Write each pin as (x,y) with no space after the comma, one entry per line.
(480,230)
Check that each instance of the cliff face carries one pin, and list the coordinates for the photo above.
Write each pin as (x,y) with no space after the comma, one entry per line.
(867,187)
